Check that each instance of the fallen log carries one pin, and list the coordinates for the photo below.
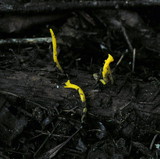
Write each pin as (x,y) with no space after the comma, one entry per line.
(47,7)
(102,102)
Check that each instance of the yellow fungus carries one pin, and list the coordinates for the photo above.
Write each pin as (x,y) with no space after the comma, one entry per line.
(103,81)
(68,84)
(106,72)
(55,54)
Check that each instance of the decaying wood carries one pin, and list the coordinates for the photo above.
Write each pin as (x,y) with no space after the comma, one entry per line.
(54,6)
(104,103)
(32,87)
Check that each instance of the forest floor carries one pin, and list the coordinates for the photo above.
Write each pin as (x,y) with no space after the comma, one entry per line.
(39,118)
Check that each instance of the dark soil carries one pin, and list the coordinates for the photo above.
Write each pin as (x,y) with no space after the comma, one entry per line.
(39,118)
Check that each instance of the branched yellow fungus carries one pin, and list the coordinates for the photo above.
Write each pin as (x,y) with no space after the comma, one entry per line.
(68,84)
(55,54)
(106,72)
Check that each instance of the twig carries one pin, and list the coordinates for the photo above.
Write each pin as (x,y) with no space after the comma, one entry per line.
(52,6)
(29,101)
(26,41)
(52,152)
(153,141)
(127,38)
(119,61)
(134,57)
(47,138)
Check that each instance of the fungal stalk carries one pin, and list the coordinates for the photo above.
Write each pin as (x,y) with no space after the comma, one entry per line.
(55,54)
(68,84)
(106,72)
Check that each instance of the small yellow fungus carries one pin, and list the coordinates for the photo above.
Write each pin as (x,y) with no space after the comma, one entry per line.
(106,72)
(68,84)
(55,54)
(103,81)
